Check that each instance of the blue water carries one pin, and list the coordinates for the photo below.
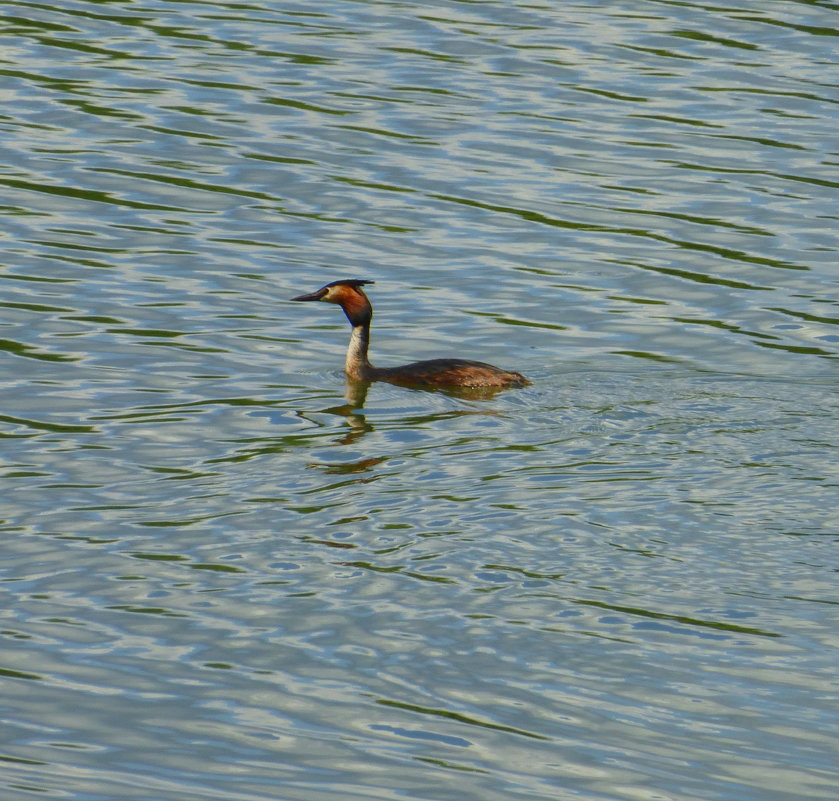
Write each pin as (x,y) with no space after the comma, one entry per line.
(230,576)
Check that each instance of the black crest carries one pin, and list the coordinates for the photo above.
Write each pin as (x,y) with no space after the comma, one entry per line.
(353,282)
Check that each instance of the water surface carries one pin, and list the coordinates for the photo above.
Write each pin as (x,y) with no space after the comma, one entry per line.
(227,577)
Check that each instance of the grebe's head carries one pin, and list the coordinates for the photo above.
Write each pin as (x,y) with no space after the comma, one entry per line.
(348,294)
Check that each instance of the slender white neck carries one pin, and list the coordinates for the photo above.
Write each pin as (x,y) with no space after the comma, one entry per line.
(357,365)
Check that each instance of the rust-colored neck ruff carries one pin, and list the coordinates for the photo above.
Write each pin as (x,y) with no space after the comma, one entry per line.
(355,304)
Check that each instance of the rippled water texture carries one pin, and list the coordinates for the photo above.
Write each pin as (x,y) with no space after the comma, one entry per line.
(228,576)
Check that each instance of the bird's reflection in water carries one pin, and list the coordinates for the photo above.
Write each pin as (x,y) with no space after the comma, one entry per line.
(355,396)
(352,410)
(363,470)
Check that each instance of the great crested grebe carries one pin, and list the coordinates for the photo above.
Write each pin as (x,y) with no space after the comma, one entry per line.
(433,372)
